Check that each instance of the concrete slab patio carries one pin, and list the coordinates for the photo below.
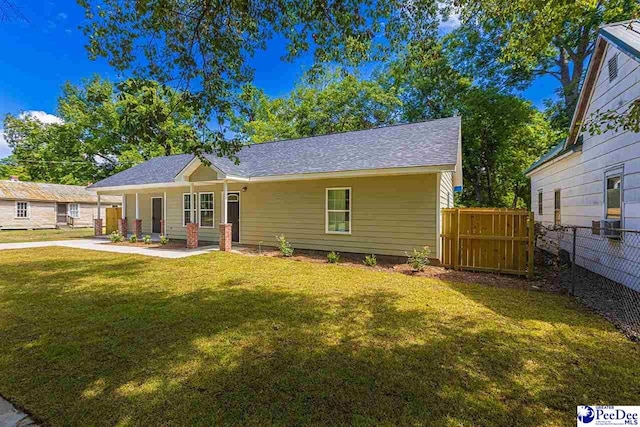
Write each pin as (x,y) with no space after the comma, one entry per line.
(104,245)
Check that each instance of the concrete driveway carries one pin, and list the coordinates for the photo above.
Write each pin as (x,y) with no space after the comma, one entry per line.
(105,246)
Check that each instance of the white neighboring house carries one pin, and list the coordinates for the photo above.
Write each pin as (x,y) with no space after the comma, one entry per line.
(34,205)
(589,178)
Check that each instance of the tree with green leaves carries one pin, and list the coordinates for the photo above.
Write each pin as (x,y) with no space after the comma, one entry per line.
(508,43)
(502,135)
(204,46)
(426,83)
(9,168)
(335,103)
(104,128)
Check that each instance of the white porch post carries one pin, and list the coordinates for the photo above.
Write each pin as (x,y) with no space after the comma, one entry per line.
(224,202)
(99,206)
(124,206)
(192,203)
(164,207)
(137,206)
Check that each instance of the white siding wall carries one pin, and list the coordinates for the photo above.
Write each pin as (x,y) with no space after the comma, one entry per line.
(581,176)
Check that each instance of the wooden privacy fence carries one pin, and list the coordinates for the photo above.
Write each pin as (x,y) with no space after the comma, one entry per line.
(112,214)
(479,239)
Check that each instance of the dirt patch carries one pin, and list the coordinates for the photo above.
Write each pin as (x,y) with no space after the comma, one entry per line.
(399,265)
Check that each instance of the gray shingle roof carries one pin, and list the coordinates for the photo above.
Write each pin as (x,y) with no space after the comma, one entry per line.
(429,143)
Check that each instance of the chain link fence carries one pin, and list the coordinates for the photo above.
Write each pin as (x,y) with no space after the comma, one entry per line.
(601,268)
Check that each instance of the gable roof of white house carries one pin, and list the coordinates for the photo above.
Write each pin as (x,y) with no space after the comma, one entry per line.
(40,191)
(431,143)
(625,36)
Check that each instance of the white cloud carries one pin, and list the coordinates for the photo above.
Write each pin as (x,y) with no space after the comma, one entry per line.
(5,150)
(61,16)
(451,23)
(42,117)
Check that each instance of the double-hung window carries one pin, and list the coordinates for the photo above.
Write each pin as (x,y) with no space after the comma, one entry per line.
(206,210)
(540,202)
(613,194)
(74,210)
(338,211)
(187,204)
(22,210)
(557,213)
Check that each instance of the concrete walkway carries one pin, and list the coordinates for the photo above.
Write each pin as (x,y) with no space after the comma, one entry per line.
(104,245)
(12,417)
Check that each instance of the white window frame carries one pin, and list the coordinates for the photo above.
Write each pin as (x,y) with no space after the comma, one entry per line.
(540,202)
(191,210)
(327,211)
(213,209)
(617,171)
(27,210)
(70,211)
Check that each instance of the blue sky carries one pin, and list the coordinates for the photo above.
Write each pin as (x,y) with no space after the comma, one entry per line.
(43,53)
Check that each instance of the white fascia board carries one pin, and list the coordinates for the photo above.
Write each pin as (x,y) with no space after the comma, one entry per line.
(356,173)
(293,177)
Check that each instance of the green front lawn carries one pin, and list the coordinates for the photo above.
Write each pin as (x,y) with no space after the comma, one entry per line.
(15,236)
(96,338)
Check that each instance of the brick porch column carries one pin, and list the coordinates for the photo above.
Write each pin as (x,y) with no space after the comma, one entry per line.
(225,237)
(192,235)
(122,227)
(138,228)
(97,227)
(162,230)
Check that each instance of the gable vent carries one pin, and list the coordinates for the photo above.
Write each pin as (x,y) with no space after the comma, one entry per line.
(613,67)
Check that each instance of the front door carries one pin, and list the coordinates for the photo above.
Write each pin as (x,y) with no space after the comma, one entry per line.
(156,215)
(61,213)
(233,215)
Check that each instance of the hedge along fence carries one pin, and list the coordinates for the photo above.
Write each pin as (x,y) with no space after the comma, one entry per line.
(481,239)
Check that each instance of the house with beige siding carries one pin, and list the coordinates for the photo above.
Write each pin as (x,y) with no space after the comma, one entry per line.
(593,179)
(36,205)
(371,191)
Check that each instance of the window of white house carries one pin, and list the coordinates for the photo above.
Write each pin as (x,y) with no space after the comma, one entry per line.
(539,202)
(22,209)
(338,215)
(557,214)
(206,209)
(74,210)
(613,195)
(186,209)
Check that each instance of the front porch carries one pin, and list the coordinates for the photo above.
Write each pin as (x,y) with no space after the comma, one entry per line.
(190,211)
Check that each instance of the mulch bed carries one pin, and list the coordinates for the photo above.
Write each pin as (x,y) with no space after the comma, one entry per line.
(399,265)
(173,244)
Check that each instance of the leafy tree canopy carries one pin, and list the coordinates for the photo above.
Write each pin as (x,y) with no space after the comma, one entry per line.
(336,103)
(507,43)
(204,46)
(502,135)
(104,128)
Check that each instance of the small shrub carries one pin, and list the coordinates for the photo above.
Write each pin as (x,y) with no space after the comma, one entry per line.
(147,239)
(116,237)
(164,240)
(285,247)
(419,259)
(370,260)
(133,238)
(333,257)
